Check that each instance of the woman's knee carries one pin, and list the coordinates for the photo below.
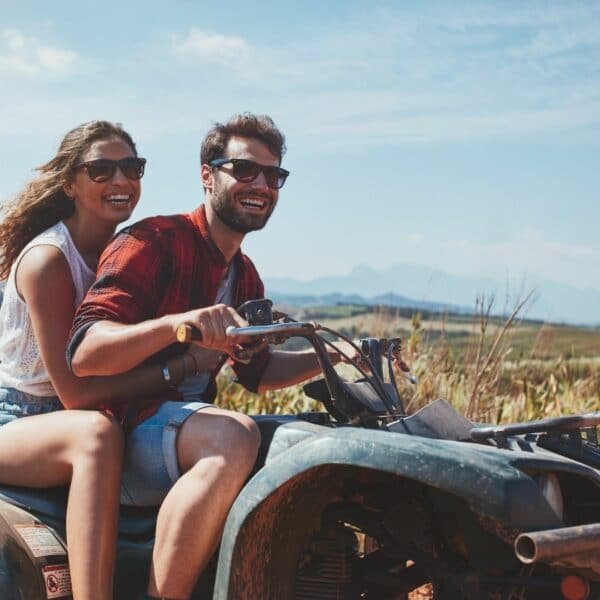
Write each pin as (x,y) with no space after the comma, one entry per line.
(100,436)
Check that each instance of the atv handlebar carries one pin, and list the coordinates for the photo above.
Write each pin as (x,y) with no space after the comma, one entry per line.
(276,333)
(343,401)
(280,331)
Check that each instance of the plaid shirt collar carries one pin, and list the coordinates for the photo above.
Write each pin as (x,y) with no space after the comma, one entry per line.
(200,222)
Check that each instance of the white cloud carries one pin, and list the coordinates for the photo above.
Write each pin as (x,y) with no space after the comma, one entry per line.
(210,47)
(447,73)
(560,39)
(373,118)
(415,238)
(533,252)
(23,55)
(503,14)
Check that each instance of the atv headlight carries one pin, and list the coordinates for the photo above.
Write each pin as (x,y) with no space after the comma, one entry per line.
(550,487)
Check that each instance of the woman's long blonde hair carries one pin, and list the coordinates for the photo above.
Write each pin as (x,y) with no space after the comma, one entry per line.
(43,202)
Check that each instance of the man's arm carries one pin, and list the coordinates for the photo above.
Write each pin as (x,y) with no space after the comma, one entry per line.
(108,348)
(290,368)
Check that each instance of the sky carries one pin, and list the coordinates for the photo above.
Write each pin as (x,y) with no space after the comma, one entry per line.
(458,135)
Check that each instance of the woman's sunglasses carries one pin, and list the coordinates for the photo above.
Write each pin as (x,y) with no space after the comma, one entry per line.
(247,170)
(103,169)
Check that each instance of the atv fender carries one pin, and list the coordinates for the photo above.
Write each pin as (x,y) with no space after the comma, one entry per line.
(308,466)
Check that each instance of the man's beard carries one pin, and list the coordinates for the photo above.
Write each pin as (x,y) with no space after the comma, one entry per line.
(225,206)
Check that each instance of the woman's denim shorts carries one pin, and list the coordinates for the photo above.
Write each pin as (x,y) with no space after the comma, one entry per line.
(15,404)
(150,463)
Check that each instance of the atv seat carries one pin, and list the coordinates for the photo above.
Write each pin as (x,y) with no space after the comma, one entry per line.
(267,425)
(50,504)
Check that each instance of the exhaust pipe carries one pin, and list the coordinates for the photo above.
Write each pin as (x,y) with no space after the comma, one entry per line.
(574,547)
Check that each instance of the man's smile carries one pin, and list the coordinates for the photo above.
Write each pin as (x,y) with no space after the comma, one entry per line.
(253,201)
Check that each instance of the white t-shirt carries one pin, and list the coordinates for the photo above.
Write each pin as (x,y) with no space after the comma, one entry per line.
(21,365)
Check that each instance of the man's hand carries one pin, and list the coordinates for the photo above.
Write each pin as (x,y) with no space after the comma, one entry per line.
(212,322)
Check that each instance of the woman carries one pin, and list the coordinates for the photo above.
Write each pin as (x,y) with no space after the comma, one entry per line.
(50,241)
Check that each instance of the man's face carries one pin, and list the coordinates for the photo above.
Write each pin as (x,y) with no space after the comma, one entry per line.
(243,207)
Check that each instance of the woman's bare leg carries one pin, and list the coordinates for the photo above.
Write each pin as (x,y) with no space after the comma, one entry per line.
(216,451)
(85,449)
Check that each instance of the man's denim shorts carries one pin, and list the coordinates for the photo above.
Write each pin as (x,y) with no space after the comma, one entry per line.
(15,404)
(150,463)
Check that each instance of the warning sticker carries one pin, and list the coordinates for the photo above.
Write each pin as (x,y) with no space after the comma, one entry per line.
(58,581)
(41,541)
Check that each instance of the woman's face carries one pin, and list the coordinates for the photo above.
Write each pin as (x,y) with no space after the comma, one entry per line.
(112,200)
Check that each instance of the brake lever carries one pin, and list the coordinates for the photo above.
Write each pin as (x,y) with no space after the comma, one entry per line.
(404,368)
(396,344)
(244,354)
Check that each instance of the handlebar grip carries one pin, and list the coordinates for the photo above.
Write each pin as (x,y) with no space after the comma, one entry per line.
(186,333)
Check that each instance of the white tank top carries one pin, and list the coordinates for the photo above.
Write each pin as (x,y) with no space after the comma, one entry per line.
(21,364)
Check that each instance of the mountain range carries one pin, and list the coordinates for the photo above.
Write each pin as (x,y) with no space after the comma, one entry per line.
(426,288)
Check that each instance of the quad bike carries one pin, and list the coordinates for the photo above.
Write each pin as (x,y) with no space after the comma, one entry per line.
(364,501)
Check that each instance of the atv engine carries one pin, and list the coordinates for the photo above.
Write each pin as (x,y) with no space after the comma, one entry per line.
(325,571)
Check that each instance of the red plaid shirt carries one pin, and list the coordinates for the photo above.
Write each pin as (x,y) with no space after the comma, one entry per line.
(159,266)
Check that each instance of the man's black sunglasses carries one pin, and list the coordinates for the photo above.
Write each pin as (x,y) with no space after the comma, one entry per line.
(247,170)
(103,169)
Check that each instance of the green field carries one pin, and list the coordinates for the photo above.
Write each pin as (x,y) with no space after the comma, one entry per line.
(530,339)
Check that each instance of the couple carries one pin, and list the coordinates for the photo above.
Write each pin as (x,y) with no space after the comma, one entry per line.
(141,427)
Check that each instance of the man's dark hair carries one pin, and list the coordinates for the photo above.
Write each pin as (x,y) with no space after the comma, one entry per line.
(248,125)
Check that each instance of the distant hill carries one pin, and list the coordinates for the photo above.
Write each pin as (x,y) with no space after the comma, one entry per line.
(426,288)
(389,299)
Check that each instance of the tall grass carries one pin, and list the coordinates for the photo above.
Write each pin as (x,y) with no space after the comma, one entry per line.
(485,385)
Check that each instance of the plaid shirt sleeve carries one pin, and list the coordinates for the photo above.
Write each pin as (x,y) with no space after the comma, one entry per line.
(125,290)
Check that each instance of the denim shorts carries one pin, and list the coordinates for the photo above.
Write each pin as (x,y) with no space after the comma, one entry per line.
(15,404)
(150,463)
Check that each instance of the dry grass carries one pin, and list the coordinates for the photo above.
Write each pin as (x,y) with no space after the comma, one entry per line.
(486,386)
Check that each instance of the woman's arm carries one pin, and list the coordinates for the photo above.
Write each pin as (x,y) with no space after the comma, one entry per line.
(44,281)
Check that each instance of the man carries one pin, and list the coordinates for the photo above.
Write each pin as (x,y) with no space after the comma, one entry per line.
(157,274)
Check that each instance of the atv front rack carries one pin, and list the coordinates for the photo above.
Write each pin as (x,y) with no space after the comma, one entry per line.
(574,436)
